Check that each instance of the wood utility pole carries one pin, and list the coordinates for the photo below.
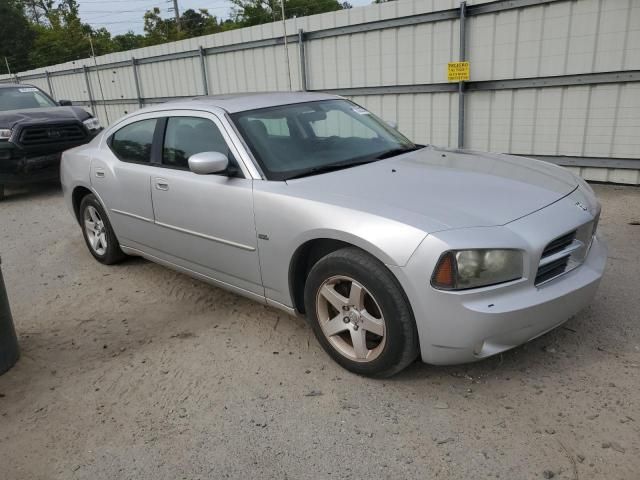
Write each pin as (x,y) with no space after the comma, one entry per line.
(176,13)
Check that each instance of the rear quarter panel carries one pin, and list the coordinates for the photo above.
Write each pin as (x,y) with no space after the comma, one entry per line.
(75,170)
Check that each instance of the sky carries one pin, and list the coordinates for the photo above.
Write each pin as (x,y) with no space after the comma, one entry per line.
(120,16)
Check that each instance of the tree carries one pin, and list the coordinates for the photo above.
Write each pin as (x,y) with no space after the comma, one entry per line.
(199,23)
(64,37)
(127,41)
(17,36)
(157,29)
(256,12)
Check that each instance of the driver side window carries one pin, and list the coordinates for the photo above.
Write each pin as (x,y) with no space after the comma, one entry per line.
(186,136)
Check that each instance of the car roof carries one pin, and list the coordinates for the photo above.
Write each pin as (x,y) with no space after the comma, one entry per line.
(240,102)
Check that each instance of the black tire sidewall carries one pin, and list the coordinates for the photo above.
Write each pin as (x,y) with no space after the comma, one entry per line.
(401,345)
(113,253)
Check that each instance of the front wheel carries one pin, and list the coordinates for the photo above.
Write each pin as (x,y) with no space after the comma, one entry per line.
(98,233)
(359,314)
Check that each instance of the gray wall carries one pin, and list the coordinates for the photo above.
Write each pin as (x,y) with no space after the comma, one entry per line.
(558,79)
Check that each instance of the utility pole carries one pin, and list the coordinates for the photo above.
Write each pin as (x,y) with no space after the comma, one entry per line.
(286,46)
(176,13)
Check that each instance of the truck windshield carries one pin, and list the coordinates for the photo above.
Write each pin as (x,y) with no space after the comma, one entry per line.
(303,139)
(20,98)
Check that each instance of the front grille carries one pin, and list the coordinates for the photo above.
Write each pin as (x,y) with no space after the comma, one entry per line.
(552,270)
(48,134)
(565,253)
(559,244)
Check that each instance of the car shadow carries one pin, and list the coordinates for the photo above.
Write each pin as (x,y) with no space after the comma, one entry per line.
(27,192)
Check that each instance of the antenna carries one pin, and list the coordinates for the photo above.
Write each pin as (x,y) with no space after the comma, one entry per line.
(286,45)
(104,104)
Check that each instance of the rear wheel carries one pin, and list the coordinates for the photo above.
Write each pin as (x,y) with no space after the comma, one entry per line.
(98,233)
(360,314)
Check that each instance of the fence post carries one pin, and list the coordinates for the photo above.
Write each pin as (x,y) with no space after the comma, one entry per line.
(303,61)
(48,77)
(463,56)
(134,67)
(92,102)
(203,69)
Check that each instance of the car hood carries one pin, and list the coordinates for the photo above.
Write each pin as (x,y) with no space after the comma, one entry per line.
(12,118)
(437,189)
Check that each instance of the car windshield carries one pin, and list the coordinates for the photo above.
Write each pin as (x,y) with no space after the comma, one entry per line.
(303,139)
(20,98)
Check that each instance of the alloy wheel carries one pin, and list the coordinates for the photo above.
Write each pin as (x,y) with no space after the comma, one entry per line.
(351,318)
(96,230)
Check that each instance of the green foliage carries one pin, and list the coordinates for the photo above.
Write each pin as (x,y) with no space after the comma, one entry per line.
(256,12)
(37,33)
(17,36)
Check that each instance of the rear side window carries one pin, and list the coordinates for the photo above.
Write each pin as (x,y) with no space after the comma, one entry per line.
(133,142)
(186,136)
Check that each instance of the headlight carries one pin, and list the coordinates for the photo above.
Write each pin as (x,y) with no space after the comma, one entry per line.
(92,124)
(462,269)
(5,133)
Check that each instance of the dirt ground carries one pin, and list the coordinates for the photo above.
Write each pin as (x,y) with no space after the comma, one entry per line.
(138,372)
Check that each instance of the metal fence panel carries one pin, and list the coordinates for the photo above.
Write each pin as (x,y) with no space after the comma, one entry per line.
(535,89)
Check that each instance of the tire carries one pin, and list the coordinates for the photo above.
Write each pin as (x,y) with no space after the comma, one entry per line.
(98,233)
(349,325)
(2,194)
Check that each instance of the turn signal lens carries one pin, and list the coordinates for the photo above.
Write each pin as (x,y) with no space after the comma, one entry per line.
(444,275)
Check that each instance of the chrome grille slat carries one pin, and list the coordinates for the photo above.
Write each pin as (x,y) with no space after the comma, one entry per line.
(559,244)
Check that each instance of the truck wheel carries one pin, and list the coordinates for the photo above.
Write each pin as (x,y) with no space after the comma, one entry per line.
(98,233)
(360,314)
(2,195)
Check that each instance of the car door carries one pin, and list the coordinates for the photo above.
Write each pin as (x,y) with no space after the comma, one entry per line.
(204,222)
(121,174)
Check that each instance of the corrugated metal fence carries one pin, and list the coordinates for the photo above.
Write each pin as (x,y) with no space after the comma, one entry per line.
(556,79)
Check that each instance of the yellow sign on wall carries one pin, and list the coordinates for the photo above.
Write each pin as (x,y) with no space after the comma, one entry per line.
(458,71)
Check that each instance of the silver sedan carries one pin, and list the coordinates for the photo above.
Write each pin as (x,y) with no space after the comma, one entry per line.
(310,203)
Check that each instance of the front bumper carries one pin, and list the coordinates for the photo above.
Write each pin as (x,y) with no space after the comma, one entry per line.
(23,165)
(30,169)
(465,326)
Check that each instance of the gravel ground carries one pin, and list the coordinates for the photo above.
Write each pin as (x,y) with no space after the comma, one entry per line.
(135,371)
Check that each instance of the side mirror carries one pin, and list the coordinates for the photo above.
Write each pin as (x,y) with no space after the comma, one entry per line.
(392,123)
(64,103)
(205,163)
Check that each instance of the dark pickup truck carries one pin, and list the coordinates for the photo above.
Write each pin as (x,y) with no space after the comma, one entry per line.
(34,131)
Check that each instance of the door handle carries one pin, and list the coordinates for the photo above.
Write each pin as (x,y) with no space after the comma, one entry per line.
(99,173)
(161,184)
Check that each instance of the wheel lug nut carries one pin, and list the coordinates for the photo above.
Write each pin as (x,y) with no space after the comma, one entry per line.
(345,307)
(356,327)
(346,320)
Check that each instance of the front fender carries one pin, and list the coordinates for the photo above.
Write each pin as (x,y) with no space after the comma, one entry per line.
(284,223)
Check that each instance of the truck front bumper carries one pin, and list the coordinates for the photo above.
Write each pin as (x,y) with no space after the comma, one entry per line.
(30,169)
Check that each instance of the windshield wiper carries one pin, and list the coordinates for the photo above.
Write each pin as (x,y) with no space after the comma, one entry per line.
(396,151)
(332,167)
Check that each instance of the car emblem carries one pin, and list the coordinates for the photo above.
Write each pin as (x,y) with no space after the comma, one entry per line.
(581,206)
(54,133)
